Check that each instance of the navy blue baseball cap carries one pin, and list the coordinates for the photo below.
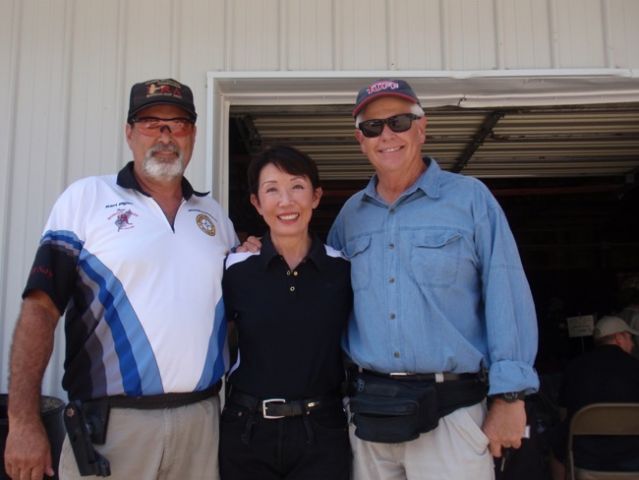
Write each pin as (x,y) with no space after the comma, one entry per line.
(162,91)
(385,87)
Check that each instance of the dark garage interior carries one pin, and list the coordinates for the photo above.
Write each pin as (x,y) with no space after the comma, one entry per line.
(566,176)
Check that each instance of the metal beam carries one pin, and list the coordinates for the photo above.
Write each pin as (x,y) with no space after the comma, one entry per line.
(484,131)
(249,135)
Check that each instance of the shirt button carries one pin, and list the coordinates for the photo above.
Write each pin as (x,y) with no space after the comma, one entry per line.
(392,316)
(391,246)
(396,354)
(295,273)
(288,273)
(391,280)
(292,289)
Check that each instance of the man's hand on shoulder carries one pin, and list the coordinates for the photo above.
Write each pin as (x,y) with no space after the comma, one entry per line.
(505,425)
(27,453)
(251,244)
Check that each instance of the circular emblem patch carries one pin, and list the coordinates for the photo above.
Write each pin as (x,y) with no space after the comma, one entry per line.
(205,223)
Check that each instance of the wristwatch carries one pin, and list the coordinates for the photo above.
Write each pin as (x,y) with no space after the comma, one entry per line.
(511,397)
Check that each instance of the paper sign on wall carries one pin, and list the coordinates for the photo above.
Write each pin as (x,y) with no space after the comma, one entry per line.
(581,326)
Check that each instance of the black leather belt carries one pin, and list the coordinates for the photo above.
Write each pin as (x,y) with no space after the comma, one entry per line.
(273,408)
(165,400)
(428,377)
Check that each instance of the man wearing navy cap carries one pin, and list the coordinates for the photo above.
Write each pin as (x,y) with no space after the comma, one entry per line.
(135,260)
(443,313)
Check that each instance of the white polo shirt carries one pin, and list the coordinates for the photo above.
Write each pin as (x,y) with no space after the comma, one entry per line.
(143,304)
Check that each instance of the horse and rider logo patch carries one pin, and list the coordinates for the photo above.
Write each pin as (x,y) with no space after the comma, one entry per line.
(123,218)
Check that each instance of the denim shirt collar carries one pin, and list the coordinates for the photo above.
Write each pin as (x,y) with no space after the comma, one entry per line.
(428,182)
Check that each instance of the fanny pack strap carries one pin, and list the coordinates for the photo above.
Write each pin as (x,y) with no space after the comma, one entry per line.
(454,395)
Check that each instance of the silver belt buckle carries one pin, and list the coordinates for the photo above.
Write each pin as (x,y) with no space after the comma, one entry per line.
(271,400)
(399,374)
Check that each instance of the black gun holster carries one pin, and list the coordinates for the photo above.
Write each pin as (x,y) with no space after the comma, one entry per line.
(86,425)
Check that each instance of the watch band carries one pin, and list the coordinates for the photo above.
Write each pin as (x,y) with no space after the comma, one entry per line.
(511,397)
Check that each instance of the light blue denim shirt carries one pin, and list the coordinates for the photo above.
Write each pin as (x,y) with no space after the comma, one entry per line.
(438,282)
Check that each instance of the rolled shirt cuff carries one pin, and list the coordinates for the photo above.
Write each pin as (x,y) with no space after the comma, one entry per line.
(512,376)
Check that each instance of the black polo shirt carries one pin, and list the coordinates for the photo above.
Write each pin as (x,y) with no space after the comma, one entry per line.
(289,322)
(605,374)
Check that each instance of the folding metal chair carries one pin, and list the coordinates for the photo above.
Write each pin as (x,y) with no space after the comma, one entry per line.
(602,419)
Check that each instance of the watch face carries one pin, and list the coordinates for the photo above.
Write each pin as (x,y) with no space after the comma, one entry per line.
(512,396)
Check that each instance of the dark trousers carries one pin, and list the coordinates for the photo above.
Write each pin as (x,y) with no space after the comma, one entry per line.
(308,447)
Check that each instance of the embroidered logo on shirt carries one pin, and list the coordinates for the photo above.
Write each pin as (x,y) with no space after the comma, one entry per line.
(123,218)
(206,224)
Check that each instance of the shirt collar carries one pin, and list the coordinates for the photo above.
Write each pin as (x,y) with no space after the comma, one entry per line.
(126,179)
(428,181)
(316,254)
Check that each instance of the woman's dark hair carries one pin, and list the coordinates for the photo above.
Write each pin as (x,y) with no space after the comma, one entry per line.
(287,159)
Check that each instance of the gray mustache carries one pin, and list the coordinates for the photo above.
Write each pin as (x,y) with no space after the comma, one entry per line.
(170,148)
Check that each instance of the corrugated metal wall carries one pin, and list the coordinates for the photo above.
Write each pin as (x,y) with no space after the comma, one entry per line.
(67,66)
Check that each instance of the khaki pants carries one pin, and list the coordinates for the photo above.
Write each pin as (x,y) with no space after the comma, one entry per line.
(159,444)
(456,450)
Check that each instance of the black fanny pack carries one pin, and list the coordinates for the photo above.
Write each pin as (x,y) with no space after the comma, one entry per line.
(392,410)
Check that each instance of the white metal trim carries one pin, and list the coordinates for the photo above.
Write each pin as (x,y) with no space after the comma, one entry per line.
(459,74)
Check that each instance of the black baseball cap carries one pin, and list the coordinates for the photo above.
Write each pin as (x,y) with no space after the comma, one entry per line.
(385,87)
(164,91)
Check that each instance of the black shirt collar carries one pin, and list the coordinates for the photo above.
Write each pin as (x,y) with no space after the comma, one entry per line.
(126,179)
(317,254)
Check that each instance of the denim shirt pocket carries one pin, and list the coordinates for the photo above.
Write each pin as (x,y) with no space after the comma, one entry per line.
(435,257)
(358,252)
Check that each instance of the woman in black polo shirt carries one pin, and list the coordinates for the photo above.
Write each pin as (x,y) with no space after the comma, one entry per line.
(290,302)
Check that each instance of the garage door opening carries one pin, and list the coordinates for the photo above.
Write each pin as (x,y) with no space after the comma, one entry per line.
(565,174)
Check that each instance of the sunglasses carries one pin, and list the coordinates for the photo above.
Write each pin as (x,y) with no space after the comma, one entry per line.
(397,123)
(152,126)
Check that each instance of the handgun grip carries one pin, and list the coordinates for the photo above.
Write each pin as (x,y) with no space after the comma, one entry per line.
(89,461)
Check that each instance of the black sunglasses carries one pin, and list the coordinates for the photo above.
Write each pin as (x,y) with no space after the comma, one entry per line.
(397,123)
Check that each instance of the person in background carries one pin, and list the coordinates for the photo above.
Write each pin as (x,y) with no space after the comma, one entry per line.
(609,373)
(630,314)
(284,417)
(135,260)
(440,301)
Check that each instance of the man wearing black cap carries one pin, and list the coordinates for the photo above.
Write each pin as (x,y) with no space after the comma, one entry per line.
(443,313)
(135,260)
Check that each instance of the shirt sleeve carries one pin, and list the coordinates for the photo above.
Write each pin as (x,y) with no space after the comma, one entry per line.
(54,269)
(511,322)
(233,240)
(335,237)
